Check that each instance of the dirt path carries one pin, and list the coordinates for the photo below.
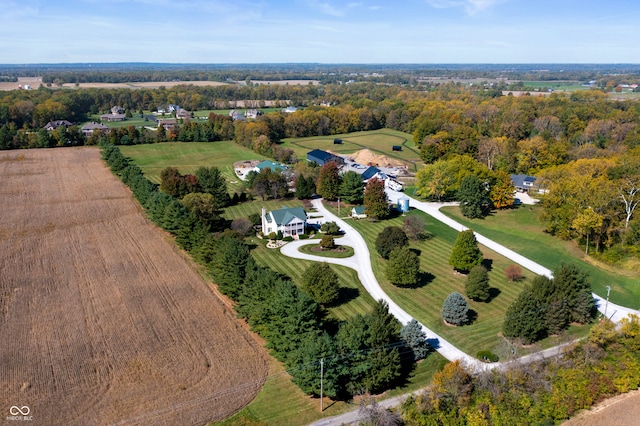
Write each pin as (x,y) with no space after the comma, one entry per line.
(102,320)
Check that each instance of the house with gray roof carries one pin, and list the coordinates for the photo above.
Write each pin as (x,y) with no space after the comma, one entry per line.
(89,128)
(522,183)
(52,125)
(289,221)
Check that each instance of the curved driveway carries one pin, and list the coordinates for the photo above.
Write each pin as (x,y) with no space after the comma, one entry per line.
(361,262)
(613,311)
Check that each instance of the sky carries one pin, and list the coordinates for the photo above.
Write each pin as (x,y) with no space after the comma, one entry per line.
(320,31)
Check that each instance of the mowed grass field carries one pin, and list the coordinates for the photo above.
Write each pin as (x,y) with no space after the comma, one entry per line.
(521,230)
(425,301)
(378,141)
(188,156)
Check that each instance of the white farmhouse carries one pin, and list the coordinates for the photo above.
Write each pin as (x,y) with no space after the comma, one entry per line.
(290,221)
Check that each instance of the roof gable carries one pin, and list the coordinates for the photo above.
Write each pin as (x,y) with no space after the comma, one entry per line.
(286,215)
(370,172)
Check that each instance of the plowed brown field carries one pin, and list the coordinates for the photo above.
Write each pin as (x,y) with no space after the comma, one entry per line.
(102,320)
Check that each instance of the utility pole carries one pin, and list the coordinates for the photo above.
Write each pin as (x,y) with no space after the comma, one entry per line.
(321,377)
(607,304)
(338,206)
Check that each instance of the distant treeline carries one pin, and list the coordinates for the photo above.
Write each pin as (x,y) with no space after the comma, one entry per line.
(325,73)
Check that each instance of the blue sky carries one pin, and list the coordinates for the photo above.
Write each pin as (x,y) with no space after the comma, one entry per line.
(325,31)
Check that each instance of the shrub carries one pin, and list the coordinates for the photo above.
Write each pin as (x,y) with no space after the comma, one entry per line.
(487,356)
(330,228)
(279,235)
(271,236)
(303,237)
(513,272)
(327,242)
(455,309)
(288,238)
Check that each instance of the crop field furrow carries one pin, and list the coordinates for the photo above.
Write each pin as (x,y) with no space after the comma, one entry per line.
(108,323)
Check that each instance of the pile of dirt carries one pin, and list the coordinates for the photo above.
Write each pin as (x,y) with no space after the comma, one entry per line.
(368,157)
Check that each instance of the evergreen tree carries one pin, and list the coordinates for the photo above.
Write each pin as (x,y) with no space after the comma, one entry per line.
(390,238)
(375,199)
(415,339)
(352,188)
(525,318)
(321,282)
(228,265)
(305,187)
(477,286)
(575,288)
(455,309)
(403,267)
(473,197)
(328,186)
(465,253)
(213,182)
(304,365)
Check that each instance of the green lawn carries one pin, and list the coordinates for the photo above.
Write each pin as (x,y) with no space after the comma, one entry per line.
(425,301)
(378,141)
(188,156)
(521,231)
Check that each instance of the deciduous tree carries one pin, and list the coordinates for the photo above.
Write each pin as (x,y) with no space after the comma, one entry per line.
(375,199)
(403,267)
(390,238)
(328,186)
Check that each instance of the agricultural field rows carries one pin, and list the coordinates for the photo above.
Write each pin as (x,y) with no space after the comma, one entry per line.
(102,319)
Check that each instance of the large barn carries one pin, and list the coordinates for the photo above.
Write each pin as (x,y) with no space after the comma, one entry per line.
(321,157)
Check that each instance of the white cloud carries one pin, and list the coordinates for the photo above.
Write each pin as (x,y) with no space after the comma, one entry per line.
(470,7)
(331,10)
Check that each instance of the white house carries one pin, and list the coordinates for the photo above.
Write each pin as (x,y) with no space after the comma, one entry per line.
(290,221)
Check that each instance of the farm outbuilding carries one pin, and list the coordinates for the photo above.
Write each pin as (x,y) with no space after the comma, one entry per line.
(321,157)
(337,141)
(397,148)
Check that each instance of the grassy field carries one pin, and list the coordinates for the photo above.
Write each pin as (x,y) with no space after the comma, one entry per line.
(378,141)
(425,301)
(280,402)
(520,230)
(565,86)
(188,156)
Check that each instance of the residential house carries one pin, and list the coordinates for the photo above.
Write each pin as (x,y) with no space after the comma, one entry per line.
(252,113)
(522,183)
(289,221)
(290,109)
(323,157)
(168,124)
(113,117)
(236,116)
(183,114)
(89,128)
(52,125)
(373,172)
(117,110)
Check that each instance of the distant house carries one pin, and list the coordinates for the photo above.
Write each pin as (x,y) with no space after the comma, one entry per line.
(52,125)
(89,128)
(183,114)
(290,109)
(168,124)
(236,116)
(252,113)
(289,221)
(113,117)
(323,157)
(522,183)
(358,212)
(266,164)
(117,110)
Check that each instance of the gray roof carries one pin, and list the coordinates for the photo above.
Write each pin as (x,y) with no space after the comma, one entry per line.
(286,215)
(370,172)
(519,180)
